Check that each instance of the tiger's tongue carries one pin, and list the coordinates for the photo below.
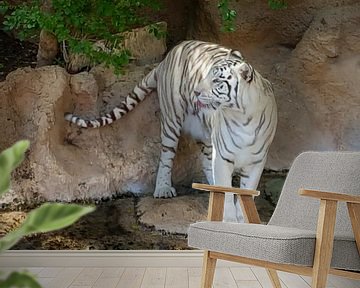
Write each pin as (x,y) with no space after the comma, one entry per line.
(200,104)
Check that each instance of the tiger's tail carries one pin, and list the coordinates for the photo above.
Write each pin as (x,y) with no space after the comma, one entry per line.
(138,94)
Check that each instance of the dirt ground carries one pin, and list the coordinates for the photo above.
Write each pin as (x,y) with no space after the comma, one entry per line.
(15,54)
(115,225)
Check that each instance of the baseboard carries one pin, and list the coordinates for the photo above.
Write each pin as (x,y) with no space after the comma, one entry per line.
(104,258)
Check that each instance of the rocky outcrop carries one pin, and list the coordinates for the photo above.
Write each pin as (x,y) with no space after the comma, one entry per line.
(68,163)
(318,95)
(146,45)
(48,48)
(173,216)
(310,51)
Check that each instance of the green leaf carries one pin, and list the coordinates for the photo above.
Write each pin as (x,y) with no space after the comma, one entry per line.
(20,280)
(48,217)
(232,13)
(3,7)
(9,160)
(54,216)
(227,16)
(10,239)
(277,4)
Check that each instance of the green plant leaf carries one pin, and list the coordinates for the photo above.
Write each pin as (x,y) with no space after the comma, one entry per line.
(10,239)
(54,216)
(9,160)
(277,4)
(20,280)
(4,7)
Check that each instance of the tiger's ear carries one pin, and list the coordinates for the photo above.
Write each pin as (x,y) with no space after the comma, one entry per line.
(236,54)
(246,71)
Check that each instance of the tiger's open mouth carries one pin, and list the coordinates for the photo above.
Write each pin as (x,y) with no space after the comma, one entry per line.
(201,104)
(198,105)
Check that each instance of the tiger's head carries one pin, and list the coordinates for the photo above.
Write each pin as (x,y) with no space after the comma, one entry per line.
(222,84)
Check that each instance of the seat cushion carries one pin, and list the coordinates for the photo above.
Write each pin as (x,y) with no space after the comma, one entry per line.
(270,243)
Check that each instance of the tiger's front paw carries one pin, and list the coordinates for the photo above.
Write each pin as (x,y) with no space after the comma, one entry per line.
(164,192)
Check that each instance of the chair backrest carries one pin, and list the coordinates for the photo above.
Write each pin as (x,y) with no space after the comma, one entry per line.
(327,171)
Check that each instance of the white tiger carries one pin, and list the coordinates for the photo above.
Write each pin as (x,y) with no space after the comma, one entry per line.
(210,92)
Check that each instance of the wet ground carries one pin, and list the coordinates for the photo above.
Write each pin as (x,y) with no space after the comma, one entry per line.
(116,225)
(113,225)
(15,54)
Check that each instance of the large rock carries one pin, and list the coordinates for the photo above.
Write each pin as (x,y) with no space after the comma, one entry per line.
(173,215)
(319,88)
(310,51)
(68,163)
(144,46)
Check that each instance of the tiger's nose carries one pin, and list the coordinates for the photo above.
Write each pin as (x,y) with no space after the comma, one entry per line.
(197,94)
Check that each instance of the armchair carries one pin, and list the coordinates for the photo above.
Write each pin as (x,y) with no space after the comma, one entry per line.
(306,236)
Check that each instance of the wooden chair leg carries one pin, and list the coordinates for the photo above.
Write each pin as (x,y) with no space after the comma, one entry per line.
(324,243)
(208,271)
(354,212)
(274,278)
(252,216)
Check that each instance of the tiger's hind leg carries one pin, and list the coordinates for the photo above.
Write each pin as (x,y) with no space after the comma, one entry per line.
(170,133)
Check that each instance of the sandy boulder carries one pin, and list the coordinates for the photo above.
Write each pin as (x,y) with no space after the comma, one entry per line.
(68,163)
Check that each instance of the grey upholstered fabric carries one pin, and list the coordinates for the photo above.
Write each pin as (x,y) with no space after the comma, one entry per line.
(328,171)
(270,243)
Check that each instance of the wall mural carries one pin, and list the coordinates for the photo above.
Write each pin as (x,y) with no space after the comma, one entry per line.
(310,56)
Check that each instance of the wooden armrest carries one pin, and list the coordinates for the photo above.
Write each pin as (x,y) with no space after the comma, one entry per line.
(216,203)
(223,189)
(326,223)
(324,195)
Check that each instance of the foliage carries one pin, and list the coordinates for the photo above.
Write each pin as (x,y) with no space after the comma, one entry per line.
(157,30)
(228,15)
(47,217)
(79,23)
(277,4)
(19,279)
(9,160)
